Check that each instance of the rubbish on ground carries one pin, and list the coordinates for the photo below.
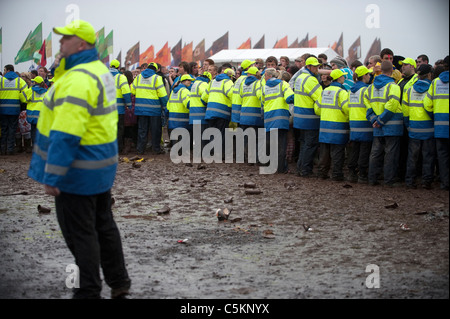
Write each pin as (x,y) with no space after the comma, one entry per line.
(404,227)
(250,185)
(307,227)
(391,206)
(223,214)
(253,191)
(163,211)
(228,200)
(183,241)
(43,210)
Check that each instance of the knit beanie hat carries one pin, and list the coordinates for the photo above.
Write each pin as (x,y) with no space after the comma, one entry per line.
(340,62)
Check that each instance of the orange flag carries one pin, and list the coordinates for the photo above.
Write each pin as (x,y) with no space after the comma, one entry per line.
(163,55)
(246,45)
(282,43)
(147,56)
(313,42)
(186,52)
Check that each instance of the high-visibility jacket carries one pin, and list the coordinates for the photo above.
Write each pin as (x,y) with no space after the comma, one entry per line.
(76,146)
(307,91)
(12,93)
(35,96)
(250,94)
(332,107)
(383,106)
(436,102)
(418,122)
(236,99)
(218,97)
(361,129)
(123,92)
(197,107)
(178,107)
(276,96)
(151,95)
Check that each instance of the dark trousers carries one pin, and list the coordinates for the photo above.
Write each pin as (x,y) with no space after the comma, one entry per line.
(220,124)
(281,145)
(121,131)
(9,125)
(309,143)
(384,157)
(93,238)
(331,154)
(358,157)
(442,148)
(145,125)
(426,148)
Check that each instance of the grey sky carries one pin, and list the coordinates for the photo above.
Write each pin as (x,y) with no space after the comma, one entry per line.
(408,27)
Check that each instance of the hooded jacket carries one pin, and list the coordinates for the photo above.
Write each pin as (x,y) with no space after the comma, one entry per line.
(218,97)
(150,92)
(276,96)
(12,93)
(436,102)
(361,129)
(35,96)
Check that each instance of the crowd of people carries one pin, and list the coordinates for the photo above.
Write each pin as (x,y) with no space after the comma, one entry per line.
(323,117)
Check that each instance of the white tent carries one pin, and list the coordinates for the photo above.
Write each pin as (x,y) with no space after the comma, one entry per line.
(235,57)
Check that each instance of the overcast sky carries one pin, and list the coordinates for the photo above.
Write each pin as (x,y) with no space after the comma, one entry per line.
(408,27)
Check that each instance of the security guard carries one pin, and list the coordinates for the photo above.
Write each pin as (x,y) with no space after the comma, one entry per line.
(307,91)
(123,97)
(420,129)
(197,107)
(436,103)
(384,111)
(12,95)
(75,157)
(252,114)
(276,95)
(361,130)
(218,98)
(151,101)
(177,107)
(332,107)
(235,105)
(35,96)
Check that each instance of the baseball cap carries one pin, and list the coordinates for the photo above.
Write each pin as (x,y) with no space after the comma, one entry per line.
(312,61)
(82,29)
(246,63)
(424,69)
(362,70)
(38,79)
(153,64)
(114,63)
(186,77)
(227,71)
(252,70)
(336,74)
(408,61)
(207,75)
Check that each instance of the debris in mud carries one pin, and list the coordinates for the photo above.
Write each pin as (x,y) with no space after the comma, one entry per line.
(136,165)
(268,234)
(183,241)
(289,185)
(253,191)
(146,217)
(235,220)
(228,200)
(307,227)
(347,186)
(137,159)
(249,185)
(201,166)
(43,210)
(176,179)
(163,211)
(404,227)
(223,214)
(391,206)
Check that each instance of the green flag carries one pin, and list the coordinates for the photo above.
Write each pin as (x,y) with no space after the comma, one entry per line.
(100,43)
(108,46)
(32,44)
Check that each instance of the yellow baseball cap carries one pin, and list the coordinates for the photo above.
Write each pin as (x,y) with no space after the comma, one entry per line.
(82,29)
(362,70)
(336,74)
(207,74)
(312,61)
(186,77)
(246,64)
(154,65)
(408,61)
(114,63)
(227,71)
(38,79)
(252,70)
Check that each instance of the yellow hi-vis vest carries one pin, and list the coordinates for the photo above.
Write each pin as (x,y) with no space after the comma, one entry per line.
(177,107)
(34,105)
(12,93)
(437,102)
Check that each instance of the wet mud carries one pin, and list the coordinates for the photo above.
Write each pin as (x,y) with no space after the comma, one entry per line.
(291,238)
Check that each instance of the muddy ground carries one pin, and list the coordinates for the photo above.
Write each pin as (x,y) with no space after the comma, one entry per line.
(262,251)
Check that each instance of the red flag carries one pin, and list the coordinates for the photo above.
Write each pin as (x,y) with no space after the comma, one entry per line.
(43,54)
(186,52)
(163,55)
(313,42)
(147,56)
(246,45)
(281,44)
